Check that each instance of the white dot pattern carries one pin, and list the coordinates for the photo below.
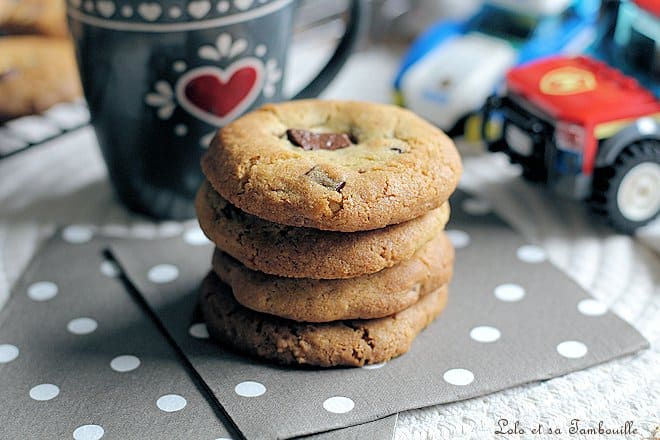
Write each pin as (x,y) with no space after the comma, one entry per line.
(78,234)
(199,331)
(338,405)
(485,334)
(250,389)
(572,349)
(88,432)
(260,50)
(170,229)
(180,66)
(109,269)
(42,291)
(82,326)
(531,254)
(459,239)
(8,353)
(195,237)
(458,376)
(163,273)
(181,129)
(509,292)
(374,366)
(591,307)
(171,403)
(45,391)
(125,363)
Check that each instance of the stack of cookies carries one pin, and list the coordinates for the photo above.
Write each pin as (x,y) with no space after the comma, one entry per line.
(328,220)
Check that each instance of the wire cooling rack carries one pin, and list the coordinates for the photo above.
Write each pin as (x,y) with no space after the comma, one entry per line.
(22,133)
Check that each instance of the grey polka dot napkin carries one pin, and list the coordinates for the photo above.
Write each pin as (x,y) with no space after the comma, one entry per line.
(80,358)
(512,318)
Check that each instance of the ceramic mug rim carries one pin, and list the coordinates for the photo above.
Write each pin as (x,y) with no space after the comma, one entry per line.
(183,26)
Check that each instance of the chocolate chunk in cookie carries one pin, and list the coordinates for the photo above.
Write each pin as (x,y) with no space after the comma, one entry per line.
(309,140)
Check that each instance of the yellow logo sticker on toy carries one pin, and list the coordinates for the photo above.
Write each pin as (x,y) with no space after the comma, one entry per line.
(567,81)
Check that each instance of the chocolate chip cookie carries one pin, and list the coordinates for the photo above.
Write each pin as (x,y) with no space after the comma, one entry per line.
(371,296)
(36,73)
(348,343)
(43,17)
(333,165)
(309,253)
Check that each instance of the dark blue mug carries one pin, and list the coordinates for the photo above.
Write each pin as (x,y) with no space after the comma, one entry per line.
(160,77)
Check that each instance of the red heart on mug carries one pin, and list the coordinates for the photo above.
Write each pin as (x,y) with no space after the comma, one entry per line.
(218,95)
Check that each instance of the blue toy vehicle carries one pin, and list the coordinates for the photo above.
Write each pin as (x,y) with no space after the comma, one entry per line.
(450,71)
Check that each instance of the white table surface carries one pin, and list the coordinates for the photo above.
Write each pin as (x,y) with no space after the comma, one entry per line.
(65,182)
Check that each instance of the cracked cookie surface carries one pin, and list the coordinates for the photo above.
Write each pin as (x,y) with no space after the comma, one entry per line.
(396,168)
(371,296)
(310,253)
(340,343)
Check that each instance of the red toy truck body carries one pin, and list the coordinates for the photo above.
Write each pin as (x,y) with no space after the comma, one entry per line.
(584,128)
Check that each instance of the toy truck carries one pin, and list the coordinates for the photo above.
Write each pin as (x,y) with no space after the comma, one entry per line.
(586,129)
(451,69)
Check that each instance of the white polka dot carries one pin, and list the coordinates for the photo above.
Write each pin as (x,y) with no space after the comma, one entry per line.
(116,230)
(195,237)
(338,405)
(250,389)
(77,234)
(82,326)
(458,238)
(171,403)
(260,50)
(181,130)
(126,11)
(109,269)
(591,307)
(485,333)
(8,353)
(374,366)
(170,229)
(45,391)
(144,230)
(476,206)
(163,273)
(88,432)
(458,376)
(175,12)
(179,66)
(223,6)
(199,331)
(531,254)
(125,363)
(42,291)
(509,292)
(572,349)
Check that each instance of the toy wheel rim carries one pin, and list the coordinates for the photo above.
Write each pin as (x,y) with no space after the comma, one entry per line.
(638,196)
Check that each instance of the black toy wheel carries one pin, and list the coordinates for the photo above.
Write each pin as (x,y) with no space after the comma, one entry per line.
(628,192)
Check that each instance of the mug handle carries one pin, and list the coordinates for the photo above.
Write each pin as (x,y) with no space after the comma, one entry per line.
(354,28)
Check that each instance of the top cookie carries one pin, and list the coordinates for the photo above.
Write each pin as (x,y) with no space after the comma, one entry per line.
(333,165)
